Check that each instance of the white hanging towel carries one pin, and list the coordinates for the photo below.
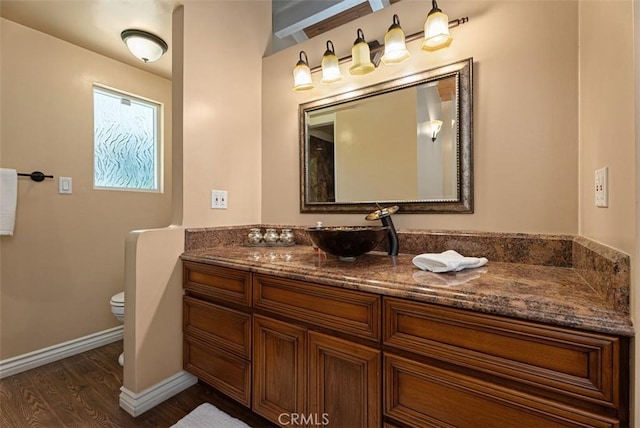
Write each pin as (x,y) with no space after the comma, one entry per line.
(8,200)
(448,261)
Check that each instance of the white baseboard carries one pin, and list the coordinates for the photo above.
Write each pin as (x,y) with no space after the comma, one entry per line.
(137,403)
(38,358)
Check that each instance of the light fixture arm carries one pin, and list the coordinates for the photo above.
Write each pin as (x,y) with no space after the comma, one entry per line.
(434,8)
(304,61)
(396,22)
(330,49)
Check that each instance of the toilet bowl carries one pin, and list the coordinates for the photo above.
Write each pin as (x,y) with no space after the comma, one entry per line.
(117,309)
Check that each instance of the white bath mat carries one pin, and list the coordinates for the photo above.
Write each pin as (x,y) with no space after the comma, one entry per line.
(209,416)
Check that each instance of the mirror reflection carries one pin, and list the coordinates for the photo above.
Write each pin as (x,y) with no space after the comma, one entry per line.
(405,142)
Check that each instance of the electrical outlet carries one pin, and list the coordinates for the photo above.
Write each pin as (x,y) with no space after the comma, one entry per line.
(602,187)
(219,199)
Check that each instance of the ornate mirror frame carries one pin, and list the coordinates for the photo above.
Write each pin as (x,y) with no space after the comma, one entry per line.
(463,204)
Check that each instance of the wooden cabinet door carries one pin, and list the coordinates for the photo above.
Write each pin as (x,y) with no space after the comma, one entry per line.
(344,383)
(279,370)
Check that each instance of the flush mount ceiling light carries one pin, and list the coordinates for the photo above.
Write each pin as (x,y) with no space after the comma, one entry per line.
(395,49)
(436,29)
(145,46)
(302,74)
(330,65)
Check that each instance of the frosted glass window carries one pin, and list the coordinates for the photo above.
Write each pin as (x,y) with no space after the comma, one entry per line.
(126,142)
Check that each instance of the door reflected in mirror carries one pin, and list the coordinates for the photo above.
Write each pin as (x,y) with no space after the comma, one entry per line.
(404,142)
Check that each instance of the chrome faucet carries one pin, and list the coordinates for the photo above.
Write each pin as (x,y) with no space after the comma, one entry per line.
(384,215)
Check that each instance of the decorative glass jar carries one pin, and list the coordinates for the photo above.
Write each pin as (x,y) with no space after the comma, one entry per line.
(254,237)
(271,236)
(286,236)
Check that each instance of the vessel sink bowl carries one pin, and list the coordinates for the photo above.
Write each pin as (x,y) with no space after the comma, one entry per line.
(347,242)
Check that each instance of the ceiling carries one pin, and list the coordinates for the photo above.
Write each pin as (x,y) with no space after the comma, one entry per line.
(300,20)
(96,24)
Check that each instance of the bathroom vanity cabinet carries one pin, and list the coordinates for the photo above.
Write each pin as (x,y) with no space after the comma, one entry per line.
(348,358)
(316,353)
(217,328)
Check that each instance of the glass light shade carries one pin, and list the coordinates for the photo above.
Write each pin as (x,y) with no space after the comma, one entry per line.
(432,128)
(436,31)
(361,56)
(302,74)
(395,49)
(330,66)
(145,46)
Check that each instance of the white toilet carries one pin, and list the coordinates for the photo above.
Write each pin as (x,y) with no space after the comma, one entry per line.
(117,308)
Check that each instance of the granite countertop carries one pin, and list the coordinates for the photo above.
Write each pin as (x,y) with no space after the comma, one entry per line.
(546,294)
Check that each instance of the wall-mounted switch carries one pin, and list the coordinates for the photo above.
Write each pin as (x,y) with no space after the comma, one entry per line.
(602,187)
(65,185)
(219,199)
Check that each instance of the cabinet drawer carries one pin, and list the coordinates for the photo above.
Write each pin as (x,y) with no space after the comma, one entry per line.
(422,395)
(226,372)
(227,285)
(346,311)
(568,362)
(220,327)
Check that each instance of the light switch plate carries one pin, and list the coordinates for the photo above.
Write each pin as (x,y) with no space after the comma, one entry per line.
(65,185)
(602,187)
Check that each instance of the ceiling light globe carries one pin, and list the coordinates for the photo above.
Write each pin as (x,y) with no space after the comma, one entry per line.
(436,31)
(361,56)
(302,74)
(145,46)
(330,66)
(330,69)
(395,49)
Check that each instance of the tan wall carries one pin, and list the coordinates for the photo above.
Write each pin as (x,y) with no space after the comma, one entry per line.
(635,296)
(525,113)
(376,149)
(607,121)
(153,307)
(218,89)
(224,42)
(609,135)
(66,258)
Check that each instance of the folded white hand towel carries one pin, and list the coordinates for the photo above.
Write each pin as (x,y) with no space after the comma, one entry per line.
(448,261)
(8,200)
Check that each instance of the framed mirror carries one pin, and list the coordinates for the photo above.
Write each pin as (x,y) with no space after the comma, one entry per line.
(405,142)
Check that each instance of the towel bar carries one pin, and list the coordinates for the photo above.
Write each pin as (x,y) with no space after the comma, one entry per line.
(35,175)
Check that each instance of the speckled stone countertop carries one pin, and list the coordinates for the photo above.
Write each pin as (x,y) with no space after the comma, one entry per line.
(553,295)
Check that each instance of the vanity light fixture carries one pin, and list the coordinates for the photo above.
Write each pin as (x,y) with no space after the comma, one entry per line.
(145,46)
(361,56)
(330,65)
(432,128)
(365,57)
(436,29)
(395,48)
(302,74)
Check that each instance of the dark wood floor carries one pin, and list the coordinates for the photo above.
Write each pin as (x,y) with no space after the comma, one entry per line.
(83,390)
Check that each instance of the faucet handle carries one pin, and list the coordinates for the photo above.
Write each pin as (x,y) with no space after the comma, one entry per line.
(382,212)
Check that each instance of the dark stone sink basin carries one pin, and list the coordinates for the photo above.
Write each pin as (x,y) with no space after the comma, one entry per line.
(347,242)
